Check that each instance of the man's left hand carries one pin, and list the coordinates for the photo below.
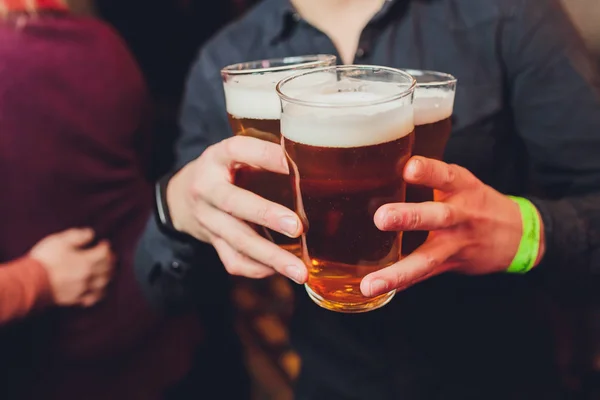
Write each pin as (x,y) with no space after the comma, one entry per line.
(474,229)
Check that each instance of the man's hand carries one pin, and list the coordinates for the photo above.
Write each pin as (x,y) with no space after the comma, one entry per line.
(205,203)
(77,276)
(475,230)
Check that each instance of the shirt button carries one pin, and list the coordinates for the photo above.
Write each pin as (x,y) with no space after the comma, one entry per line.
(176,266)
(360,53)
(296,17)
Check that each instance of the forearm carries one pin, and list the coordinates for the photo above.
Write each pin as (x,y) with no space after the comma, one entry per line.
(24,287)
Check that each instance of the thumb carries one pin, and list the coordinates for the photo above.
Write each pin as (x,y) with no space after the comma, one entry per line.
(77,237)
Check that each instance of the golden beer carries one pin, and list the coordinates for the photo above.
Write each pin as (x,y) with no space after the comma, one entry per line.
(254,109)
(433,106)
(347,143)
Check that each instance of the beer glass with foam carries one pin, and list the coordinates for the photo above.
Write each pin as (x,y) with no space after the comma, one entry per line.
(347,132)
(253,109)
(433,105)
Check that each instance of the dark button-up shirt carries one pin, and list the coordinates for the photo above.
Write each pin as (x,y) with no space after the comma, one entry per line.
(526,121)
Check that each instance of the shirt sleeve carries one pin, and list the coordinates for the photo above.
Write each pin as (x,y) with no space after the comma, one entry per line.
(555,97)
(173,273)
(24,287)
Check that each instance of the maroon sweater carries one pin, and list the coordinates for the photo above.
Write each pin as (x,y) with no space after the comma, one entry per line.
(73,153)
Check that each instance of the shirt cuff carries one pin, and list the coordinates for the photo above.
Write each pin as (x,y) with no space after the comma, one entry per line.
(166,269)
(567,256)
(39,279)
(25,287)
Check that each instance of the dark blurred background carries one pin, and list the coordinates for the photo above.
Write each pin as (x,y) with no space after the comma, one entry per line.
(164,36)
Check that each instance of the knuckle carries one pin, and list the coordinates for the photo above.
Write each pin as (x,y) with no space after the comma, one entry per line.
(202,217)
(211,151)
(447,215)
(449,174)
(85,278)
(225,199)
(272,258)
(413,219)
(399,278)
(230,147)
(104,251)
(244,246)
(263,211)
(197,189)
(430,262)
(83,272)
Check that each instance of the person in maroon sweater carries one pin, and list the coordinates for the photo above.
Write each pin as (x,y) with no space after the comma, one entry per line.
(73,152)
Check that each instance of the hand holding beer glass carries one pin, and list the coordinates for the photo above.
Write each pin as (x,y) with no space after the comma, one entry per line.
(347,141)
(433,105)
(253,108)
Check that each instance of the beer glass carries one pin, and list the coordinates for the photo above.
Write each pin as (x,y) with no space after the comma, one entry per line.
(433,105)
(253,109)
(347,132)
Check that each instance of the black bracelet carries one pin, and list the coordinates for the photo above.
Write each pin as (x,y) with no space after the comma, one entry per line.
(162,212)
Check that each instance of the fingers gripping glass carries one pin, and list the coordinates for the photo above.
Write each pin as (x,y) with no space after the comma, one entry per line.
(433,105)
(253,109)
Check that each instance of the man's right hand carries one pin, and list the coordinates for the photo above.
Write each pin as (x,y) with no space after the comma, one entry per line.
(78,276)
(205,203)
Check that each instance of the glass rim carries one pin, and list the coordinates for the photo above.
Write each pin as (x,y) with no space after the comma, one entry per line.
(289,63)
(410,90)
(449,79)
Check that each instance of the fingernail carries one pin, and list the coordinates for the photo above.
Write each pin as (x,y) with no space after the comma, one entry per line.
(295,274)
(413,168)
(391,219)
(289,225)
(378,287)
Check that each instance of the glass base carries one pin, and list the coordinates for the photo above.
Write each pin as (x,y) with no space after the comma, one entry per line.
(351,308)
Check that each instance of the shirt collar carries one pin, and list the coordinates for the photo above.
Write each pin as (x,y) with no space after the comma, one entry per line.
(286,16)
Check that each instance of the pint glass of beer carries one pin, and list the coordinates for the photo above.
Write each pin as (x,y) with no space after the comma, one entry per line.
(347,141)
(433,105)
(253,109)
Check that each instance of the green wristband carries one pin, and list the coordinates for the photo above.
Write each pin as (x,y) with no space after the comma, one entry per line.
(530,241)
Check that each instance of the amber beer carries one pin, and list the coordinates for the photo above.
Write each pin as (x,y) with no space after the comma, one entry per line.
(433,106)
(254,109)
(347,144)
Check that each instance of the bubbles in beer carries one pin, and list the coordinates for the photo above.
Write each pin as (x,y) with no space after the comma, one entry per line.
(349,122)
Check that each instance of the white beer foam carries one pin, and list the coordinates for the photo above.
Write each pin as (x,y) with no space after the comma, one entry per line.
(349,126)
(254,96)
(432,105)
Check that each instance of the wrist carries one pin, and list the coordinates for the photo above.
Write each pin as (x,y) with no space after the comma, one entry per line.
(531,246)
(164,205)
(171,191)
(168,206)
(40,279)
(542,248)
